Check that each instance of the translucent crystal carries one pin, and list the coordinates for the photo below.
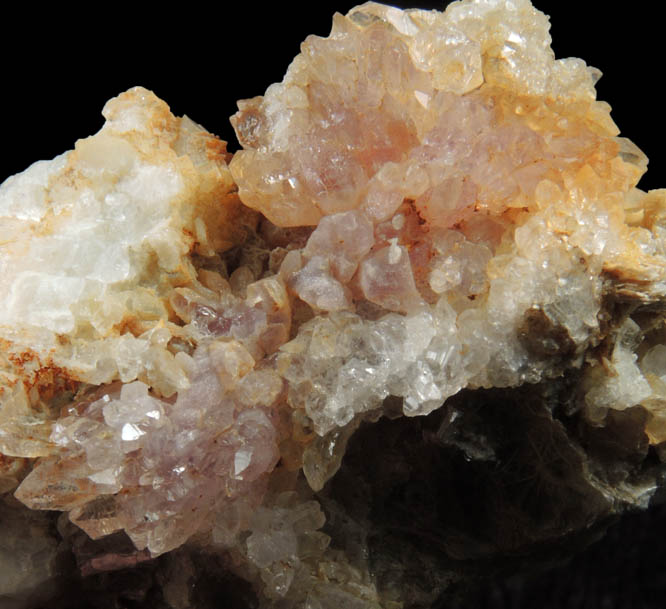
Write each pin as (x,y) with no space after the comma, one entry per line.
(428,202)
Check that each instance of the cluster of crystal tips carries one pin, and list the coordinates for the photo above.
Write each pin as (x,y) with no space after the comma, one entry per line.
(428,201)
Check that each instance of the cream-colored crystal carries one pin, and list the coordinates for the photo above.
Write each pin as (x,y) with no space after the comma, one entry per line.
(429,201)
(93,244)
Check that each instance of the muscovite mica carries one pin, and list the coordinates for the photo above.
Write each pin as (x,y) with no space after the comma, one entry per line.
(431,217)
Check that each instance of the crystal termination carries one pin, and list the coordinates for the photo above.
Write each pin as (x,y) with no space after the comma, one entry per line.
(431,217)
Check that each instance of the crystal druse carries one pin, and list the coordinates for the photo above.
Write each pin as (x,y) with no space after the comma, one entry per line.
(417,321)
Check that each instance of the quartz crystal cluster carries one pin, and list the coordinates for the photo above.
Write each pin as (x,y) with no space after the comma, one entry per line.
(427,209)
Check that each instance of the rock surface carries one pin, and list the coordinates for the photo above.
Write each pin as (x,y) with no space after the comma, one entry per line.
(414,326)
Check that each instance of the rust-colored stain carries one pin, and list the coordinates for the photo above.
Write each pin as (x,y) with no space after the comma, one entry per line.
(216,150)
(130,324)
(46,378)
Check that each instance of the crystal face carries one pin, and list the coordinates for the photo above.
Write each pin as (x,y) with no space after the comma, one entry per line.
(431,220)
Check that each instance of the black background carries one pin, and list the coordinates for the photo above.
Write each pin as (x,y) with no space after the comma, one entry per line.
(60,65)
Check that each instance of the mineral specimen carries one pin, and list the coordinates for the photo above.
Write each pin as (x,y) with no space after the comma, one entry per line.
(204,356)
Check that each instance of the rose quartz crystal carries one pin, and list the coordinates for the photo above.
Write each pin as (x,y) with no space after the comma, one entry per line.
(429,201)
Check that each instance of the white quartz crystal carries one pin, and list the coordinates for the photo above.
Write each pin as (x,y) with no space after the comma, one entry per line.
(428,202)
(94,242)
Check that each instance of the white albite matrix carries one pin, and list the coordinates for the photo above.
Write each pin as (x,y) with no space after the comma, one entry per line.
(429,201)
(92,245)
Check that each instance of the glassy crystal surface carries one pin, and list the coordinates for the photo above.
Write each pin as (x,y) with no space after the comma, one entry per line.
(415,322)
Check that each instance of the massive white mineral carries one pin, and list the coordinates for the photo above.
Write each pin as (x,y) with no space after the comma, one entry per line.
(428,203)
